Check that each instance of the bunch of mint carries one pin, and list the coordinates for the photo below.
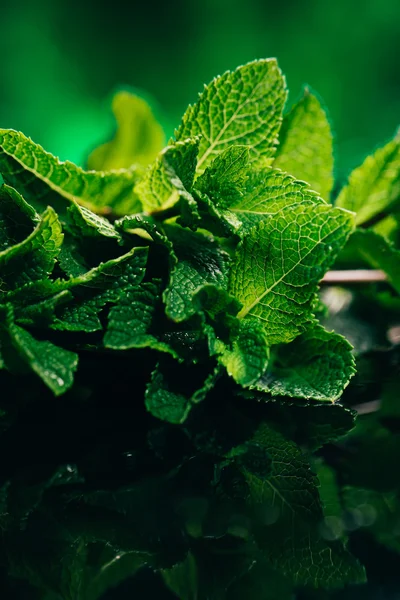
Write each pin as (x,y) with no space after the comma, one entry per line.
(170,298)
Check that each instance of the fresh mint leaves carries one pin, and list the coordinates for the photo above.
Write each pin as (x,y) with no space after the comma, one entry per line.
(170,299)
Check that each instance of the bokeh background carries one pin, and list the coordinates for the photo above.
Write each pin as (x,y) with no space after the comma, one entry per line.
(61,61)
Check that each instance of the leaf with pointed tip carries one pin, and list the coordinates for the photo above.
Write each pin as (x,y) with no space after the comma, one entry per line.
(305,145)
(201,261)
(33,258)
(17,217)
(174,390)
(317,365)
(277,266)
(169,179)
(239,107)
(43,179)
(374,187)
(138,139)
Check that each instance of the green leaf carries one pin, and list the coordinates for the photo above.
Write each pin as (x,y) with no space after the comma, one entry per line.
(278,265)
(224,181)
(243,107)
(246,358)
(316,425)
(146,227)
(266,192)
(182,578)
(169,178)
(374,187)
(305,145)
(130,321)
(86,223)
(33,258)
(288,532)
(240,345)
(43,179)
(41,313)
(201,261)
(317,365)
(378,253)
(17,217)
(138,139)
(174,390)
(54,365)
(105,284)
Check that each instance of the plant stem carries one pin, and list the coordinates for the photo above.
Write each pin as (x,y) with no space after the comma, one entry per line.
(353,276)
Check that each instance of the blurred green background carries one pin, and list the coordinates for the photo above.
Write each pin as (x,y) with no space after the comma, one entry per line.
(61,61)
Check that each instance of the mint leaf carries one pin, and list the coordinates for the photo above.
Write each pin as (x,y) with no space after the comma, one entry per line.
(374,187)
(292,542)
(17,217)
(305,145)
(201,261)
(169,178)
(278,265)
(41,313)
(86,223)
(315,366)
(138,139)
(174,390)
(130,321)
(267,192)
(105,284)
(239,344)
(224,181)
(54,365)
(43,179)
(378,253)
(243,107)
(316,425)
(246,357)
(146,227)
(33,258)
